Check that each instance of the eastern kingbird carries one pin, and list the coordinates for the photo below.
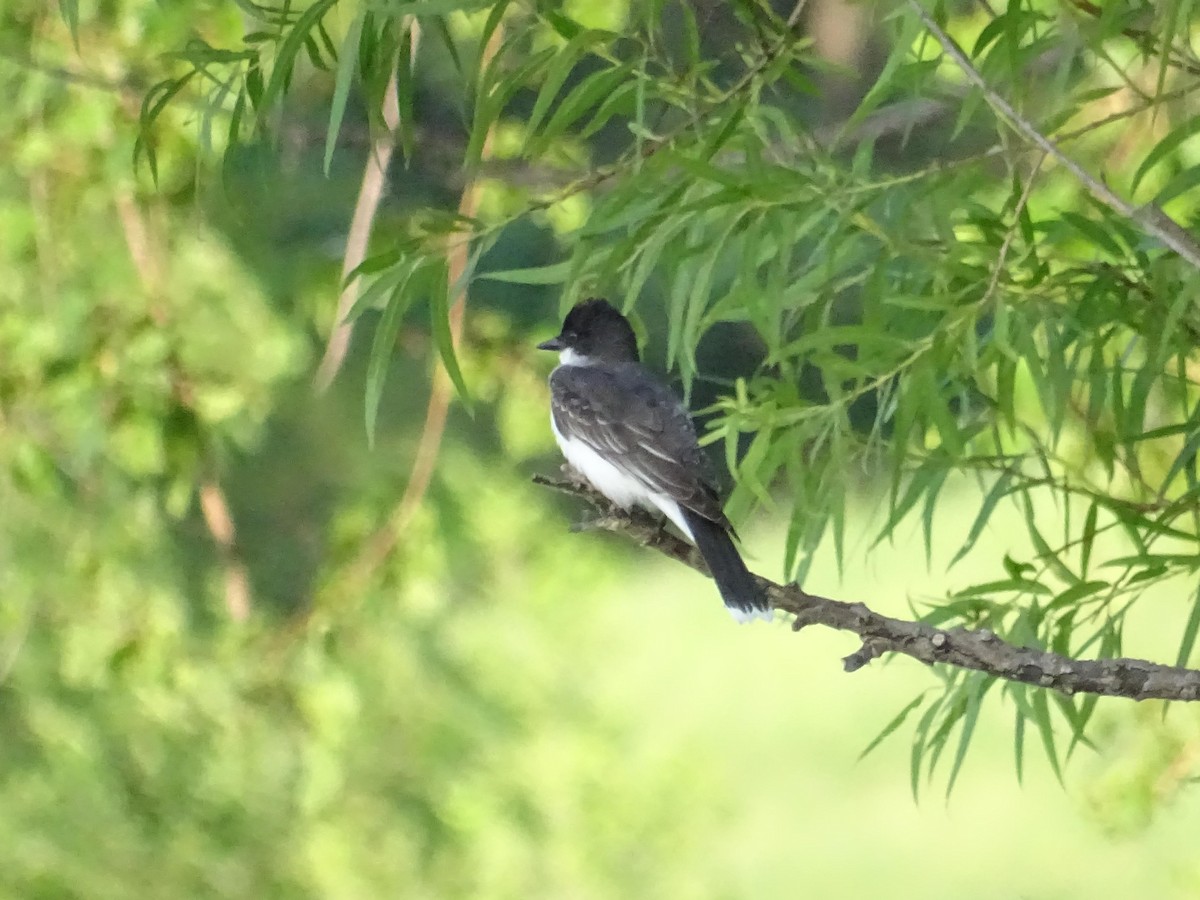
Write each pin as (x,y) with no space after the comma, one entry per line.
(631,438)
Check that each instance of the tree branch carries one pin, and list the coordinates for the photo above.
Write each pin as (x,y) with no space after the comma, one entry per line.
(375,170)
(1150,217)
(980,650)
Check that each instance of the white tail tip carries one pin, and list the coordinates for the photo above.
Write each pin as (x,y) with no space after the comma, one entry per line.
(742,616)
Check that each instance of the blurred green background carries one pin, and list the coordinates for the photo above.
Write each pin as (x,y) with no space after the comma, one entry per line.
(211,684)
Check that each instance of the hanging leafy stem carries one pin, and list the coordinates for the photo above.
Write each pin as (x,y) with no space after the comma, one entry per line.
(970,279)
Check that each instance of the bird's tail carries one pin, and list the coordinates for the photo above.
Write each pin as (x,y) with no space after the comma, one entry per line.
(741,593)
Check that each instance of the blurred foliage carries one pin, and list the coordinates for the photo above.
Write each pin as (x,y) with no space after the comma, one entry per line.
(414,733)
(871,301)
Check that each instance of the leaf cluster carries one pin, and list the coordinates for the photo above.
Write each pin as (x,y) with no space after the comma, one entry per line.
(932,301)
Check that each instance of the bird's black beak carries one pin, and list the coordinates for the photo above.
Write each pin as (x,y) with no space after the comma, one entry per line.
(555,343)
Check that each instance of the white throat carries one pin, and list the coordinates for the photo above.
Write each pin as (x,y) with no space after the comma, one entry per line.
(571,357)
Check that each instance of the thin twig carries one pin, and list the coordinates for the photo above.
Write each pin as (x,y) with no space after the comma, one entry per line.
(380,544)
(149,261)
(1150,217)
(375,169)
(994,281)
(980,650)
(1146,41)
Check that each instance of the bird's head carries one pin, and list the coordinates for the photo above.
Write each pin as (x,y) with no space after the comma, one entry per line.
(594,331)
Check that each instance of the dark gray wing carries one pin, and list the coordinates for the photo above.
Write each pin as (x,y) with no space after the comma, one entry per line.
(623,414)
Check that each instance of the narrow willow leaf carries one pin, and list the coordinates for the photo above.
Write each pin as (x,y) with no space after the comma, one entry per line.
(931,497)
(69,10)
(1087,706)
(424,8)
(347,57)
(1161,149)
(234,135)
(977,686)
(442,30)
(648,257)
(566,27)
(439,314)
(1045,552)
(406,77)
(916,488)
(1088,539)
(701,169)
(618,103)
(1186,459)
(580,100)
(1188,641)
(1041,717)
(940,739)
(495,17)
(153,104)
(1000,488)
(493,98)
(1185,181)
(1019,745)
(691,37)
(289,47)
(1077,592)
(885,82)
(383,286)
(1017,585)
(382,345)
(895,723)
(1077,718)
(564,62)
(920,743)
(836,503)
(555,273)
(1097,234)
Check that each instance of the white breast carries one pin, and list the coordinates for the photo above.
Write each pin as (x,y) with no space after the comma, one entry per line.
(614,483)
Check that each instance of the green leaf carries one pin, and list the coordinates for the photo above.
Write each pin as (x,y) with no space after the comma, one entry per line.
(383,286)
(424,8)
(619,102)
(347,57)
(492,98)
(895,723)
(1188,641)
(1186,458)
(565,60)
(1046,554)
(555,273)
(595,88)
(1041,717)
(1094,232)
(1088,539)
(382,345)
(69,10)
(999,489)
(1019,745)
(405,86)
(977,685)
(153,104)
(931,497)
(1187,180)
(439,311)
(1077,592)
(499,7)
(917,485)
(442,30)
(1161,149)
(289,47)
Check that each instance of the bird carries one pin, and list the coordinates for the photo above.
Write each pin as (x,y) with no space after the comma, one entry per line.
(631,438)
